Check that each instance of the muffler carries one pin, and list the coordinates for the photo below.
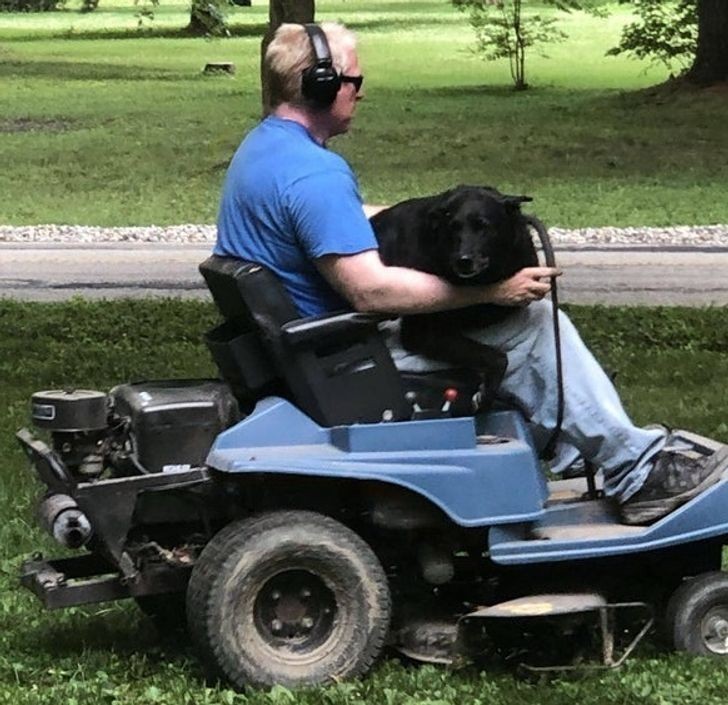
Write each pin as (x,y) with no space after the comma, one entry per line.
(61,517)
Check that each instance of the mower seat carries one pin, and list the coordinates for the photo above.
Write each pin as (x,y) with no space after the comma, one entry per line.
(335,368)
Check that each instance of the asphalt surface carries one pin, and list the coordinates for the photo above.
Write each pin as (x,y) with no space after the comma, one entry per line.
(617,275)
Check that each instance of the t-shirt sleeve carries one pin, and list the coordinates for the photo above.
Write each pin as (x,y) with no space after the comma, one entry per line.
(327,216)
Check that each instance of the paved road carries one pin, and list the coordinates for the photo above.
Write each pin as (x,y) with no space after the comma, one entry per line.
(52,272)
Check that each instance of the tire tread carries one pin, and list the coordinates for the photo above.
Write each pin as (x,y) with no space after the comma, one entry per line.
(227,544)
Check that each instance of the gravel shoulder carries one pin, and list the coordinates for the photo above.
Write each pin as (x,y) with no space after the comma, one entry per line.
(709,236)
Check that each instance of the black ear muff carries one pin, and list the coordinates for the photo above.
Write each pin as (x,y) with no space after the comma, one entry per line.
(321,82)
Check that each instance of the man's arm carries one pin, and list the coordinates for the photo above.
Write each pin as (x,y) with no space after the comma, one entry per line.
(370,286)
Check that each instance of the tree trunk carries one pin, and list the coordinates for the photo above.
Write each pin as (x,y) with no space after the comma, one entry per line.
(279,12)
(711,59)
(206,19)
(196,27)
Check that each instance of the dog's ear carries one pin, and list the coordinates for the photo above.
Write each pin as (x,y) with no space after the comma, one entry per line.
(491,191)
(442,207)
(438,215)
(514,202)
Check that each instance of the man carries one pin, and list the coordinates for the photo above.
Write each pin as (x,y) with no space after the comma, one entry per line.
(293,206)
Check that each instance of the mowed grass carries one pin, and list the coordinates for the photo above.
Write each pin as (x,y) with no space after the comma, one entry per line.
(101,123)
(671,366)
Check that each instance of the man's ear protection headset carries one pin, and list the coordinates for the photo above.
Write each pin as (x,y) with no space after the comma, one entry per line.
(321,82)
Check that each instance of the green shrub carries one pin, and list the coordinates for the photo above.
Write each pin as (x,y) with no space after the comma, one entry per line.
(665,31)
(30,5)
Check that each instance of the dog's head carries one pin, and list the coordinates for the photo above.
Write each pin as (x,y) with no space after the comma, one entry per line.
(479,234)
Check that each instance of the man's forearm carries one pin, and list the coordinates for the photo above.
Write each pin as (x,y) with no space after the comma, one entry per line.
(402,290)
(370,286)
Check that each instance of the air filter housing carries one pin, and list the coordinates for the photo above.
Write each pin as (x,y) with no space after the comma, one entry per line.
(69,410)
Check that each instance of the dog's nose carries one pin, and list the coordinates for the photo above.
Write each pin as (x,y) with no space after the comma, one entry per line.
(465,265)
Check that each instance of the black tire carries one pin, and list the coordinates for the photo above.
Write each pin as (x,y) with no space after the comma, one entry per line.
(167,611)
(697,616)
(291,597)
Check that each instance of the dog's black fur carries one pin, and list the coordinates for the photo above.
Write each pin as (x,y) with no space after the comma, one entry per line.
(470,235)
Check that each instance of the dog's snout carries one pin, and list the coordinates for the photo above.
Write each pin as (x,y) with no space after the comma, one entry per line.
(465,266)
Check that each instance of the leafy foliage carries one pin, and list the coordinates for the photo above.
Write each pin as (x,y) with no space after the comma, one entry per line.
(507,29)
(30,5)
(89,5)
(666,31)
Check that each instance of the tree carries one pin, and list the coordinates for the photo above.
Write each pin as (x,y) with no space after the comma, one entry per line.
(691,35)
(711,56)
(505,29)
(279,12)
(207,18)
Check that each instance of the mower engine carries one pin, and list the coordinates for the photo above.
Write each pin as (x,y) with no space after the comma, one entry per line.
(137,429)
(78,422)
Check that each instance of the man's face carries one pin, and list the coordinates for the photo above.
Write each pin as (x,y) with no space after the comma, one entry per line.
(344,106)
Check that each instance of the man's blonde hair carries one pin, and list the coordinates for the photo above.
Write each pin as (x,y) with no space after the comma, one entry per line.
(290,53)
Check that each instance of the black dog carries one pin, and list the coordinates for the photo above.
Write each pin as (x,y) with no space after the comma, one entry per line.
(470,235)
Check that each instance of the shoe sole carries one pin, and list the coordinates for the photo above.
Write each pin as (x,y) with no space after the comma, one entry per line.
(650,510)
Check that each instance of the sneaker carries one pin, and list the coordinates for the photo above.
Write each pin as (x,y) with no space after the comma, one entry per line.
(676,477)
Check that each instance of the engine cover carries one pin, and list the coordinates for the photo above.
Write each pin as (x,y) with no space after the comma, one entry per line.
(174,422)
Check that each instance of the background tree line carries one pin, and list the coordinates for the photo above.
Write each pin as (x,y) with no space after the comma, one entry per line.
(689,36)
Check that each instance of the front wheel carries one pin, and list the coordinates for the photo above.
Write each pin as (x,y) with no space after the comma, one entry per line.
(291,597)
(697,615)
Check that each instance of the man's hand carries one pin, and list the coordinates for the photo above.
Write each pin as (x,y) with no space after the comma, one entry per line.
(523,287)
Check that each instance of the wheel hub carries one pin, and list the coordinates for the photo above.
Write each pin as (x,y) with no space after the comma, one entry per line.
(715,630)
(295,610)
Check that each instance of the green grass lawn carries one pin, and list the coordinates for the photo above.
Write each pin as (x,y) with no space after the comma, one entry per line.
(101,123)
(671,365)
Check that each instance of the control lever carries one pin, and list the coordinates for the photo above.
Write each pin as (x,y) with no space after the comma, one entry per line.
(411,398)
(450,396)
(418,413)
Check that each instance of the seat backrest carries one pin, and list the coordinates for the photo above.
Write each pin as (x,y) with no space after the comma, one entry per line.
(337,379)
(236,345)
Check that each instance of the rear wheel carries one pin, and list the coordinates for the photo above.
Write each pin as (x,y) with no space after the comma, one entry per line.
(293,598)
(697,615)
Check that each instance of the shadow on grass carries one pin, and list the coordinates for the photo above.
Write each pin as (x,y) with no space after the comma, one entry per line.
(256,29)
(114,627)
(44,124)
(89,71)
(147,32)
(397,23)
(479,91)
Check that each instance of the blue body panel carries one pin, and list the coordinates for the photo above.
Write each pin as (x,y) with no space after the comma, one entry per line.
(592,530)
(475,484)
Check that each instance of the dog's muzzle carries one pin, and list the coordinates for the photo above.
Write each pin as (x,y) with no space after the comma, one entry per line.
(466,267)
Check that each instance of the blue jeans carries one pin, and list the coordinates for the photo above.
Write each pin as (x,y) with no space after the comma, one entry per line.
(595,424)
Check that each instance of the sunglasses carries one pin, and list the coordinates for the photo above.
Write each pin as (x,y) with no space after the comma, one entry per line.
(356,81)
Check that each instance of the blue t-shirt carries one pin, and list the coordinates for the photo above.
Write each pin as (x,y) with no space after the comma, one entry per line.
(286,201)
